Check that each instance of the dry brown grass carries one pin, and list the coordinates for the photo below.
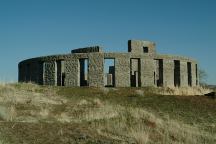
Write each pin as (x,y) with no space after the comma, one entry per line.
(185,91)
(122,123)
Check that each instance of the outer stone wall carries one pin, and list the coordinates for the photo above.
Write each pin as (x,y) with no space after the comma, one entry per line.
(137,68)
(21,75)
(31,71)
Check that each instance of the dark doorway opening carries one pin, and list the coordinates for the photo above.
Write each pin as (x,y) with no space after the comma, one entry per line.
(83,72)
(63,79)
(109,72)
(135,74)
(158,75)
(177,80)
(60,73)
(189,74)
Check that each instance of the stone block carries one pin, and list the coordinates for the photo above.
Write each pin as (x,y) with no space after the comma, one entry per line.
(96,70)
(122,71)
(183,73)
(50,73)
(168,72)
(147,72)
(72,72)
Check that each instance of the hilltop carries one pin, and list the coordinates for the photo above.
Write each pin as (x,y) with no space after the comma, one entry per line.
(52,115)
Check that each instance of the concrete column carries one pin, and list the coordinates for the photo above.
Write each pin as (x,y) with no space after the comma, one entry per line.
(122,71)
(96,69)
(168,73)
(147,72)
(72,72)
(50,73)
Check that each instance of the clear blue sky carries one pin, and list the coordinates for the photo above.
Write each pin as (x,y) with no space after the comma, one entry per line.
(31,28)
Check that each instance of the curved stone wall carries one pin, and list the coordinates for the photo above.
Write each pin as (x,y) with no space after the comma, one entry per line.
(140,67)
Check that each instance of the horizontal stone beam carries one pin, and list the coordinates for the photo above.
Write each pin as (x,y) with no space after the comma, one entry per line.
(87,49)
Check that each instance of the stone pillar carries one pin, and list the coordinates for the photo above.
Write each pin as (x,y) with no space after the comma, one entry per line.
(72,72)
(183,74)
(122,71)
(147,72)
(96,69)
(109,80)
(168,72)
(193,71)
(50,73)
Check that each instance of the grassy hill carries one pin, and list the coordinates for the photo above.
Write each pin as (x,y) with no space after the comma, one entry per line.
(32,114)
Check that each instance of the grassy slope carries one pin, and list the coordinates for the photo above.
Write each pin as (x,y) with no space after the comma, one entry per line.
(39,114)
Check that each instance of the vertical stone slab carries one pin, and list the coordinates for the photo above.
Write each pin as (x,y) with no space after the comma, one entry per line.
(183,74)
(96,69)
(193,71)
(168,72)
(147,72)
(72,72)
(122,71)
(197,75)
(50,73)
(27,72)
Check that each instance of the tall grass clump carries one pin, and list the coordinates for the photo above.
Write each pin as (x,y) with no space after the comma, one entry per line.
(185,91)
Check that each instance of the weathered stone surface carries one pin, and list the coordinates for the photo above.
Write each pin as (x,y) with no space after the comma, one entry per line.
(50,73)
(183,73)
(195,74)
(138,47)
(72,70)
(122,71)
(143,70)
(147,72)
(168,67)
(96,69)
